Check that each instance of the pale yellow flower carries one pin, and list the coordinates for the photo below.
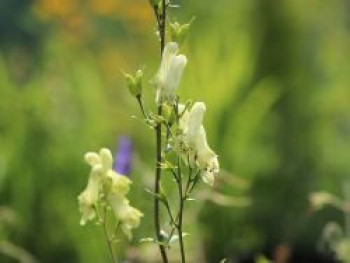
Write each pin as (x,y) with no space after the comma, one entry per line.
(194,137)
(128,216)
(88,198)
(131,220)
(105,183)
(169,73)
(119,184)
(101,175)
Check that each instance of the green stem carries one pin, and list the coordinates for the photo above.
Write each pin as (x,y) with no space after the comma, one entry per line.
(194,182)
(179,218)
(155,10)
(182,249)
(108,240)
(189,178)
(169,131)
(181,208)
(162,27)
(172,220)
(141,106)
(161,20)
(157,187)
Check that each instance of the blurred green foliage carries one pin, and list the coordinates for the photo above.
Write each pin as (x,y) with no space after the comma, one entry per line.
(275,76)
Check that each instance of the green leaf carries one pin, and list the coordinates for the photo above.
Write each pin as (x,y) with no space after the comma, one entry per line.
(153,193)
(173,238)
(160,196)
(167,165)
(147,239)
(152,240)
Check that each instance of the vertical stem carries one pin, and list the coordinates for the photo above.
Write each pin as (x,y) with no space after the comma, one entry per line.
(162,27)
(161,19)
(156,186)
(181,208)
(182,197)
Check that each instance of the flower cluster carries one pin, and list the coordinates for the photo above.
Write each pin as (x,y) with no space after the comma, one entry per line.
(192,139)
(107,186)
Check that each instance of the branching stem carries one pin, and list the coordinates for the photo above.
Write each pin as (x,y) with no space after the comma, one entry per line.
(178,221)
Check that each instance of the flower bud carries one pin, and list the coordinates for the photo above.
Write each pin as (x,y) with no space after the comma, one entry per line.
(134,83)
(169,114)
(138,82)
(178,32)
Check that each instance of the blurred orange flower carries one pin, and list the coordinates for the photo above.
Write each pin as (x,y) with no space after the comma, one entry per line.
(104,7)
(47,9)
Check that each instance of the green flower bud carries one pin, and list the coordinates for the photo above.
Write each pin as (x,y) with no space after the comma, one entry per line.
(134,83)
(138,82)
(178,33)
(168,113)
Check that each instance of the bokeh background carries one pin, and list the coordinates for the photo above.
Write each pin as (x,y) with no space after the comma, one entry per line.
(275,76)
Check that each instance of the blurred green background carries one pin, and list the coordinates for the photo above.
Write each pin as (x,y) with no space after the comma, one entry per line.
(275,76)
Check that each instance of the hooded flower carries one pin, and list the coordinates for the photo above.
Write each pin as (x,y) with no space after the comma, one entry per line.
(101,176)
(105,183)
(169,73)
(194,137)
(128,216)
(131,219)
(118,184)
(88,198)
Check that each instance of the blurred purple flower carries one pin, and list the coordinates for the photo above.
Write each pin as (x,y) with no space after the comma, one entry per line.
(123,158)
